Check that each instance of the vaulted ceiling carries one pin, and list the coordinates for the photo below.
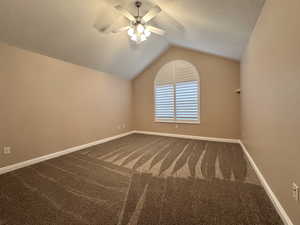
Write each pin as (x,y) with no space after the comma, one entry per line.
(64,29)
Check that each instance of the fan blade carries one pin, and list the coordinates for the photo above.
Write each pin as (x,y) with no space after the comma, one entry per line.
(111,30)
(104,29)
(107,29)
(115,31)
(151,14)
(156,30)
(125,13)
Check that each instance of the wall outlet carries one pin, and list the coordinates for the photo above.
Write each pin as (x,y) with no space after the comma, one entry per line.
(6,150)
(295,189)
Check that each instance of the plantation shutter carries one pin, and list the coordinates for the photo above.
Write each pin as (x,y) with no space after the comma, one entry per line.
(187,101)
(177,93)
(164,94)
(164,102)
(186,89)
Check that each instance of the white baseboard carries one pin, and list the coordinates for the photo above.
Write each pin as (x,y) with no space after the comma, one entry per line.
(284,216)
(60,153)
(189,136)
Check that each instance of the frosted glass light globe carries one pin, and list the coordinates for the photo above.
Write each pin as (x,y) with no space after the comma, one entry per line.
(143,37)
(140,28)
(130,31)
(147,32)
(134,37)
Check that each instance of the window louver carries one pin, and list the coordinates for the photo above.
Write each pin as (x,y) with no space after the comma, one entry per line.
(177,93)
(164,102)
(187,101)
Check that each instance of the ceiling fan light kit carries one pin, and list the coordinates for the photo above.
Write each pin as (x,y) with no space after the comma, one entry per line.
(138,33)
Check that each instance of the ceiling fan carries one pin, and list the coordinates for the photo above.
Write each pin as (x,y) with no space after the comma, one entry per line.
(139,28)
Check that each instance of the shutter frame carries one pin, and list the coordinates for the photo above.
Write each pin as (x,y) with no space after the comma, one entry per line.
(184,78)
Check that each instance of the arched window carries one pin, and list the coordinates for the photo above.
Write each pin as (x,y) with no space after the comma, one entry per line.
(177,93)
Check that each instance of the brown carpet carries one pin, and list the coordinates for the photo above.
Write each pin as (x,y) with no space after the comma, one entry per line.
(139,180)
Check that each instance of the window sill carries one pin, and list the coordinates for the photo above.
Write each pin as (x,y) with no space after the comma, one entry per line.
(177,122)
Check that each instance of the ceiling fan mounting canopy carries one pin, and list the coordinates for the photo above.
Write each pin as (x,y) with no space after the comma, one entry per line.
(138,4)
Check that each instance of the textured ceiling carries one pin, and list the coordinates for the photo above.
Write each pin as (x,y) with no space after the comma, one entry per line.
(64,29)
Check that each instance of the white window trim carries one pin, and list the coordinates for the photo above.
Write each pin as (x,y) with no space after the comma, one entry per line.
(175,120)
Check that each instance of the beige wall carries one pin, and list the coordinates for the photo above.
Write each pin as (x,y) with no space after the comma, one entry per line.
(271,99)
(219,103)
(48,105)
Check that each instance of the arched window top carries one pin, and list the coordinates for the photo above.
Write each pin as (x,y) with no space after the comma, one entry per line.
(177,93)
(177,71)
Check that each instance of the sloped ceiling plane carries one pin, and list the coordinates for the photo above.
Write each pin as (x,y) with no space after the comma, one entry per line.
(65,30)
